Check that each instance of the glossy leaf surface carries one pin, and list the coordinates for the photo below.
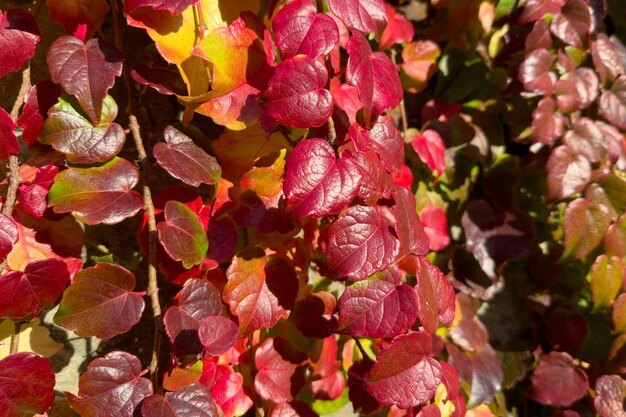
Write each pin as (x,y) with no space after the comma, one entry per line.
(26,385)
(8,141)
(275,370)
(100,302)
(194,400)
(363,15)
(19,36)
(102,194)
(217,334)
(408,225)
(384,138)
(611,391)
(38,101)
(8,236)
(182,235)
(613,103)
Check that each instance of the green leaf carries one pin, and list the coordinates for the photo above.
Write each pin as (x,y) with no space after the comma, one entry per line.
(182,235)
(606,280)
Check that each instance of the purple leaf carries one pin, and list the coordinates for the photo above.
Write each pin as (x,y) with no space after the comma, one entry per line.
(375,77)
(111,387)
(198,300)
(584,224)
(535,72)
(556,382)
(613,103)
(363,15)
(38,101)
(68,131)
(408,225)
(296,95)
(361,242)
(316,184)
(611,391)
(163,77)
(568,173)
(26,385)
(573,23)
(192,401)
(19,36)
(175,7)
(406,363)
(100,302)
(384,138)
(86,71)
(8,141)
(182,235)
(217,334)
(8,236)
(38,288)
(377,308)
(186,161)
(299,29)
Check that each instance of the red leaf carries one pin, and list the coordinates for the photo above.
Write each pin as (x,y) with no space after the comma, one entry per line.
(375,181)
(186,161)
(38,101)
(608,57)
(111,387)
(8,141)
(8,236)
(226,387)
(293,409)
(78,17)
(363,15)
(182,235)
(556,382)
(611,391)
(360,243)
(198,300)
(192,401)
(86,71)
(101,194)
(547,124)
(38,288)
(100,302)
(26,385)
(296,96)
(573,24)
(405,363)
(19,36)
(175,7)
(435,224)
(435,296)
(537,9)
(374,76)
(398,29)
(260,291)
(587,86)
(316,184)
(377,308)
(33,197)
(299,29)
(568,173)
(275,370)
(407,223)
(535,72)
(613,103)
(431,150)
(384,138)
(217,334)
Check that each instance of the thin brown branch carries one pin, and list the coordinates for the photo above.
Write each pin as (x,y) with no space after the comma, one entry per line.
(403,116)
(15,338)
(332,133)
(362,349)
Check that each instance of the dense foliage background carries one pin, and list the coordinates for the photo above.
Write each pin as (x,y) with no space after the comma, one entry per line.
(404,208)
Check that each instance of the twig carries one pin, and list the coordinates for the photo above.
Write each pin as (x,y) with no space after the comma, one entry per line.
(144,163)
(362,349)
(15,338)
(332,133)
(405,123)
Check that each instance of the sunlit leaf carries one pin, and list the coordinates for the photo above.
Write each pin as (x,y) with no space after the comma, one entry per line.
(38,100)
(384,138)
(568,172)
(408,226)
(8,236)
(19,36)
(573,24)
(362,15)
(8,141)
(100,302)
(607,275)
(217,334)
(275,370)
(613,103)
(182,235)
(26,385)
(194,400)
(584,224)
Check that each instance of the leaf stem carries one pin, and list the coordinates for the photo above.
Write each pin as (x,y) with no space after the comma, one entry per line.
(362,349)
(15,338)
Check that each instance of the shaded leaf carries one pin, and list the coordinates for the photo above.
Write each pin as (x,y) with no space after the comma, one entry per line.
(375,181)
(361,242)
(68,131)
(8,236)
(292,409)
(260,291)
(384,138)
(101,194)
(405,363)
(398,30)
(19,36)
(100,302)
(186,161)
(420,61)
(182,235)
(275,370)
(377,308)
(619,314)
(8,141)
(26,385)
(375,77)
(34,337)
(299,29)
(194,400)
(556,382)
(175,7)
(36,289)
(85,70)
(217,334)
(79,18)
(38,101)
(111,387)
(584,225)
(568,173)
(296,95)
(316,183)
(363,15)
(408,226)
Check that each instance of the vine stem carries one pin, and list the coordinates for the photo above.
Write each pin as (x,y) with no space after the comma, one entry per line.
(403,116)
(144,164)
(362,349)
(15,179)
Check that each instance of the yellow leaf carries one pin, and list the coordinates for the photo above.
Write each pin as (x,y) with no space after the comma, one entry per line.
(33,338)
